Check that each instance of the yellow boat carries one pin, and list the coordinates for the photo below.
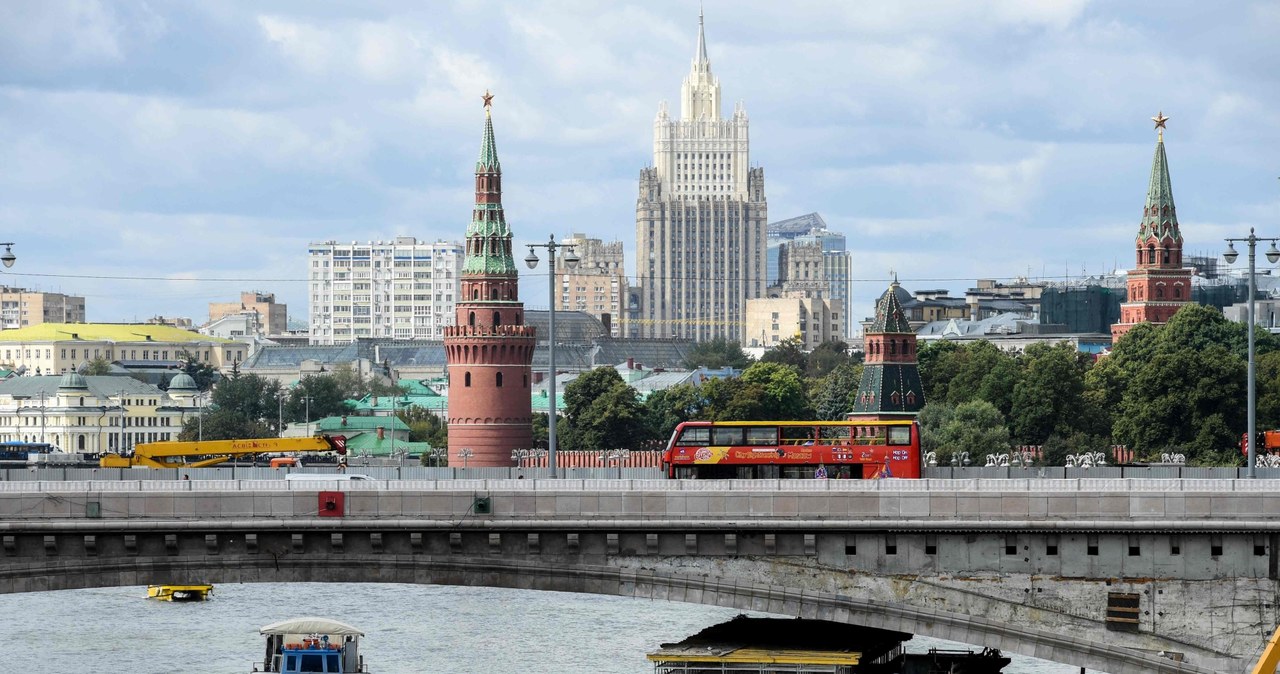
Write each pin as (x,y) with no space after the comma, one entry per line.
(179,592)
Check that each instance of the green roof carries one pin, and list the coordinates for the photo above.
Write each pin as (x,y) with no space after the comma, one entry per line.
(889,314)
(368,443)
(108,332)
(354,423)
(488,236)
(1159,216)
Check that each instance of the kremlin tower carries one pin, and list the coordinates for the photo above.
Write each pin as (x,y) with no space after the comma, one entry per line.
(890,386)
(1159,285)
(489,349)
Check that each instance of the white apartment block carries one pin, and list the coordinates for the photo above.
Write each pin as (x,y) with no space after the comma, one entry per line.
(20,307)
(700,218)
(398,289)
(598,284)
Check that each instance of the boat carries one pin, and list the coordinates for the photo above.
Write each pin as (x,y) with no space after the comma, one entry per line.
(312,646)
(179,592)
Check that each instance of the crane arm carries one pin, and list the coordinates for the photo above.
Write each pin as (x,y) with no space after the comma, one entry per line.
(197,454)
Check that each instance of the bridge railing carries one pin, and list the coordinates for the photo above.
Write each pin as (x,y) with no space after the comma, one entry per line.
(992,486)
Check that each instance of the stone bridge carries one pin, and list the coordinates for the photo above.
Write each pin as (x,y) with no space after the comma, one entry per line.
(1115,575)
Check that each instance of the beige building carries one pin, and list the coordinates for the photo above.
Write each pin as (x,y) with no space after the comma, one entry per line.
(93,414)
(598,284)
(398,289)
(700,218)
(272,317)
(59,348)
(813,320)
(20,307)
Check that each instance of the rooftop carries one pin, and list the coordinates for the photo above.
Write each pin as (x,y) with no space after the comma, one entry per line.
(108,332)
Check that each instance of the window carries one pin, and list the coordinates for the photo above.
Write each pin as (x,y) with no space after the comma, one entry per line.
(499,380)
(694,437)
(466,380)
(899,435)
(762,435)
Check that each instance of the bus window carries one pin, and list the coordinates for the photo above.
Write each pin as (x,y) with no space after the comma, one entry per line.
(899,435)
(726,435)
(694,437)
(762,435)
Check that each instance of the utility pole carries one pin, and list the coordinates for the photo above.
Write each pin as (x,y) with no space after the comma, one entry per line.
(307,400)
(280,417)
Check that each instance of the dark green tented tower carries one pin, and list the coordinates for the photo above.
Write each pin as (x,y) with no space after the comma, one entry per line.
(890,386)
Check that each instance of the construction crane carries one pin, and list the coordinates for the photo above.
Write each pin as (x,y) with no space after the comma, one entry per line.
(197,454)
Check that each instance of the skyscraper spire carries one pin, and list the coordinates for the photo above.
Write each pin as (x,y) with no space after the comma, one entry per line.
(701,55)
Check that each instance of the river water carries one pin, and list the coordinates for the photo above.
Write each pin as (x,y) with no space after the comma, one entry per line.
(410,629)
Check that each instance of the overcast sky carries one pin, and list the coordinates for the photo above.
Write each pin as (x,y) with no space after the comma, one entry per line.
(155,157)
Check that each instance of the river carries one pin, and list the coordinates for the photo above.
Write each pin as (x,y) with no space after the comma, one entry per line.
(410,629)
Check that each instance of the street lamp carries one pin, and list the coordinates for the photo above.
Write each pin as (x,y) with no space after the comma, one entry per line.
(465,453)
(570,261)
(307,401)
(200,416)
(435,453)
(1230,256)
(619,455)
(8,258)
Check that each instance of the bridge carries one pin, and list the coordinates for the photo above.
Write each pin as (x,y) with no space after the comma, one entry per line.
(1115,575)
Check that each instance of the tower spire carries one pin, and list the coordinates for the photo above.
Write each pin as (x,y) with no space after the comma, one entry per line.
(701,55)
(488,237)
(1159,217)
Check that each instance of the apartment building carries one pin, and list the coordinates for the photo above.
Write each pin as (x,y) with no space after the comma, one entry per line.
(398,289)
(20,307)
(597,285)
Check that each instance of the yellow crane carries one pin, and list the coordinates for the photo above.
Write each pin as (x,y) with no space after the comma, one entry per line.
(1270,656)
(201,454)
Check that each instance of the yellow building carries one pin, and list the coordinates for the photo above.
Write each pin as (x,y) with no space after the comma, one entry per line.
(94,414)
(813,320)
(58,348)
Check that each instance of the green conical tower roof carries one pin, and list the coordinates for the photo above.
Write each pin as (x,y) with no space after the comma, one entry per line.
(1159,217)
(889,314)
(488,237)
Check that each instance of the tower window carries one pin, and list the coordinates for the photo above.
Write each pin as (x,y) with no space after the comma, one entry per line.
(471,319)
(466,380)
(497,317)
(499,380)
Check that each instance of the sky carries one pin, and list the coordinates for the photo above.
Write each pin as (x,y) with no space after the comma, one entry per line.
(158,156)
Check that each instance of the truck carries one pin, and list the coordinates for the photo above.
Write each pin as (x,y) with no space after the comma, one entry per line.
(1268,442)
(205,453)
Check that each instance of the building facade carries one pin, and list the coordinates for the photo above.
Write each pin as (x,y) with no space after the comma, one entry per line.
(1159,285)
(490,349)
(598,285)
(398,289)
(811,319)
(93,415)
(700,217)
(20,308)
(803,254)
(59,348)
(273,318)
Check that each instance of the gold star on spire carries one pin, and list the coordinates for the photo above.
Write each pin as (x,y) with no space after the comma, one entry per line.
(1160,119)
(488,99)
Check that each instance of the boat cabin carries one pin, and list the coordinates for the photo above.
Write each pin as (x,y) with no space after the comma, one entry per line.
(312,646)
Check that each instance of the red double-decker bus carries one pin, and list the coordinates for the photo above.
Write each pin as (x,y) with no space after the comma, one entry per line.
(858,450)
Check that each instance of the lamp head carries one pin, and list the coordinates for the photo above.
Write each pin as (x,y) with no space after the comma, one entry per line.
(571,258)
(8,258)
(531,259)
(1273,253)
(1230,253)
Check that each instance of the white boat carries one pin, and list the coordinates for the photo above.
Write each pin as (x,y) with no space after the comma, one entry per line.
(312,646)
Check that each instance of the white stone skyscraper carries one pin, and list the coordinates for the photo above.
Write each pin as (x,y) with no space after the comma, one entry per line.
(700,217)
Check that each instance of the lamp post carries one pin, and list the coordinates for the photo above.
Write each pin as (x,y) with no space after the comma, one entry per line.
(200,417)
(307,407)
(435,453)
(570,261)
(280,416)
(619,455)
(465,453)
(8,258)
(1230,256)
(42,395)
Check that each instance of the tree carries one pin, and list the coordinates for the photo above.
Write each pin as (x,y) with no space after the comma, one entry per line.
(601,412)
(937,363)
(664,409)
(225,424)
(98,366)
(1268,380)
(983,372)
(787,352)
(976,427)
(247,397)
(353,385)
(833,395)
(424,426)
(1049,397)
(327,399)
(1183,398)
(779,390)
(933,418)
(716,354)
(826,357)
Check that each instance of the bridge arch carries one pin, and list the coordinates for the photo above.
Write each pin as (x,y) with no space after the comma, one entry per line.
(633,578)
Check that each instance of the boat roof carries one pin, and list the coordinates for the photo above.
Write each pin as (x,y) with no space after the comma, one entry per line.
(311,626)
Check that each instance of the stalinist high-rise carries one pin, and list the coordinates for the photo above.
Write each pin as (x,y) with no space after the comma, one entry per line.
(700,217)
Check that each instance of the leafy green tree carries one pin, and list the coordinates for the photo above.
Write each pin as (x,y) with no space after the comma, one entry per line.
(98,366)
(1049,397)
(937,363)
(601,412)
(778,388)
(716,354)
(788,352)
(983,372)
(353,385)
(826,357)
(249,397)
(424,426)
(833,395)
(933,418)
(976,427)
(1268,380)
(225,424)
(327,399)
(1183,398)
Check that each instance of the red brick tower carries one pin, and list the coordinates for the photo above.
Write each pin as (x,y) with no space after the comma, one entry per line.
(890,386)
(489,349)
(1159,286)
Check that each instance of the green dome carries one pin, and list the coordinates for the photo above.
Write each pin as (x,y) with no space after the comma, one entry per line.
(182,382)
(73,380)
